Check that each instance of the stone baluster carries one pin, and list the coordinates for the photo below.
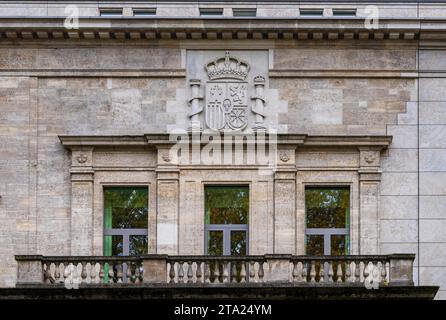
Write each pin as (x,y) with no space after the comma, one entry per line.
(216,272)
(313,272)
(258,109)
(198,272)
(54,276)
(207,272)
(180,272)
(366,271)
(234,272)
(243,272)
(261,271)
(330,271)
(294,273)
(252,273)
(194,101)
(305,271)
(129,272)
(139,272)
(111,272)
(226,271)
(92,277)
(67,272)
(190,274)
(383,271)
(101,272)
(172,272)
(348,271)
(358,271)
(322,272)
(119,272)
(83,272)
(49,272)
(339,272)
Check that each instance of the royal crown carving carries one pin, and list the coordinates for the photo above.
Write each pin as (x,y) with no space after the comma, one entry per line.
(227,67)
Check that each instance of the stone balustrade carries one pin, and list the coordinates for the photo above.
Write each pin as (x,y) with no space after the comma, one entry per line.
(380,270)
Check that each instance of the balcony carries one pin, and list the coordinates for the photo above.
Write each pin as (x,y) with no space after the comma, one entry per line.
(226,276)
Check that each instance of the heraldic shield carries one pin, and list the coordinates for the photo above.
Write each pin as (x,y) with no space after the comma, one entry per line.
(226,105)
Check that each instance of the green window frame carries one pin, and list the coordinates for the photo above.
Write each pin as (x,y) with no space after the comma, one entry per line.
(125,220)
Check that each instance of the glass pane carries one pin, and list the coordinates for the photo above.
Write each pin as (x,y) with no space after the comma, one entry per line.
(226,204)
(314,245)
(137,245)
(238,243)
(215,243)
(327,207)
(339,245)
(125,207)
(113,245)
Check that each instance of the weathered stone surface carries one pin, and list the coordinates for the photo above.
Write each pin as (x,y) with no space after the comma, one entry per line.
(343,106)
(344,59)
(433,206)
(432,230)
(433,113)
(399,231)
(400,160)
(85,58)
(432,183)
(52,87)
(398,207)
(399,183)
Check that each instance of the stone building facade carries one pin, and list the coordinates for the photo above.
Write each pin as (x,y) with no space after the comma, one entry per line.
(341,106)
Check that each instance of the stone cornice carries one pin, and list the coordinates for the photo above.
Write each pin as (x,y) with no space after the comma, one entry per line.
(157,139)
(221,28)
(95,141)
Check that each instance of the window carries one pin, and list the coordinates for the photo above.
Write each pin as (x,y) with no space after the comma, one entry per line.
(144,12)
(125,221)
(327,221)
(244,12)
(226,220)
(311,12)
(344,12)
(211,11)
(110,12)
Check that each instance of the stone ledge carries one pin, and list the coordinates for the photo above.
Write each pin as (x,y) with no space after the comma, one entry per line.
(262,292)
(287,139)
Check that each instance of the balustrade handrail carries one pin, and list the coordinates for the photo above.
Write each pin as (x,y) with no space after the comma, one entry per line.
(204,257)
(354,257)
(215,258)
(77,258)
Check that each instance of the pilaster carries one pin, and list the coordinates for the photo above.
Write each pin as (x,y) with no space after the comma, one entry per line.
(82,178)
(369,186)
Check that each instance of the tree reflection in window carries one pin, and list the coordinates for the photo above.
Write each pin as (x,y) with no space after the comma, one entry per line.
(125,220)
(327,207)
(126,207)
(227,204)
(327,220)
(226,218)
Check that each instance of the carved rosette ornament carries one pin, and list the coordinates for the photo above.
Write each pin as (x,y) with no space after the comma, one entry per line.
(82,158)
(284,157)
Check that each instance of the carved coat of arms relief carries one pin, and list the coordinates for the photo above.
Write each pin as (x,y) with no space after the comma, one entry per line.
(226,95)
(226,105)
